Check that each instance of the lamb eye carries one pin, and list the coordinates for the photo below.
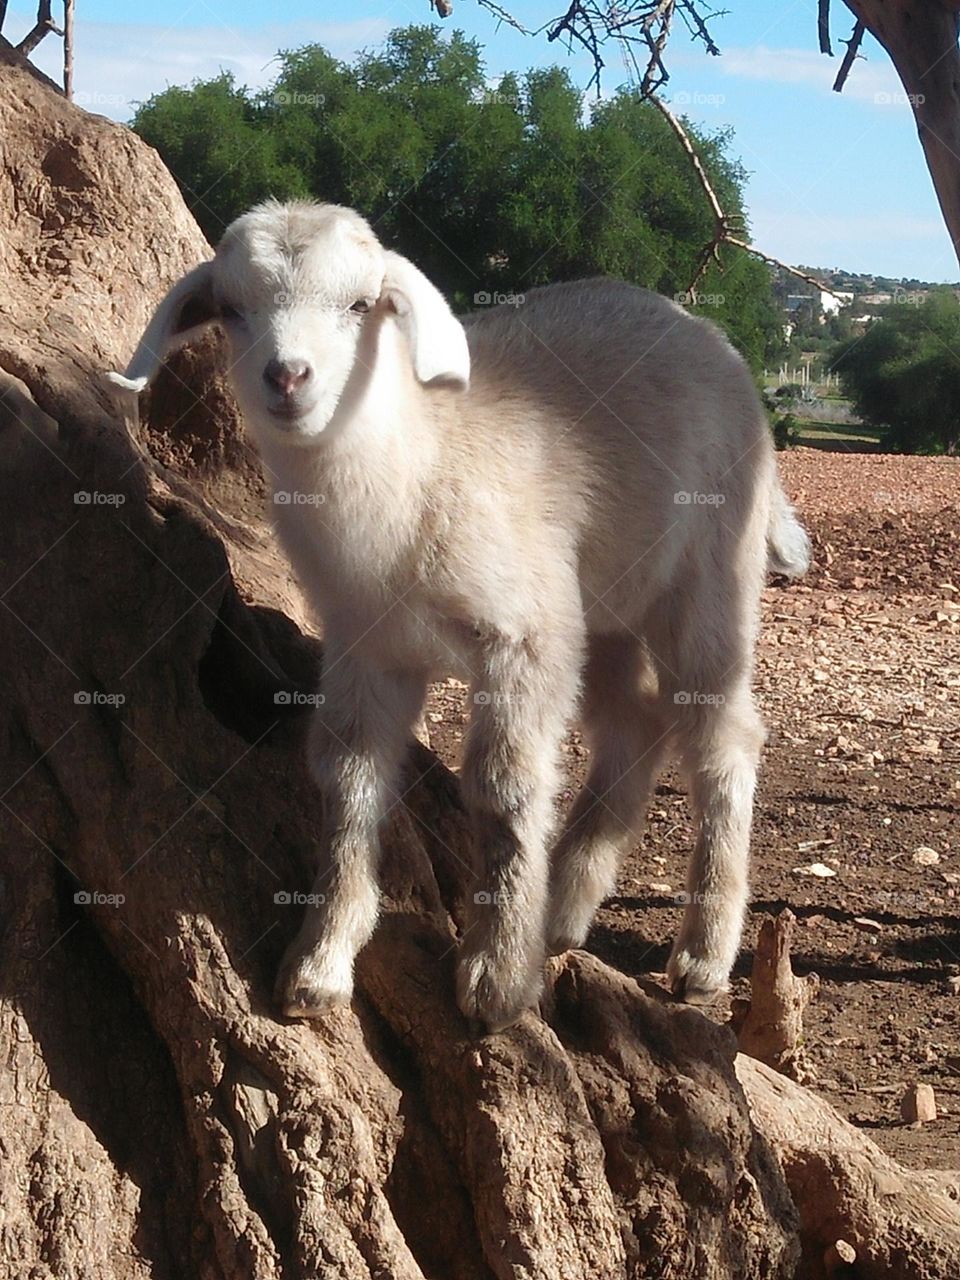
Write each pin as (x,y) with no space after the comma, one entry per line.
(230,313)
(361,306)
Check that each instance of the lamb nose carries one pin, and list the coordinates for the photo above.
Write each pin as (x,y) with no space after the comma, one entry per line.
(286,376)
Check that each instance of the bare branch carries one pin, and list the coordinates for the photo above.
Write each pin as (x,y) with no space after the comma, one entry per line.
(502,15)
(823,27)
(640,27)
(68,11)
(725,230)
(776,262)
(853,44)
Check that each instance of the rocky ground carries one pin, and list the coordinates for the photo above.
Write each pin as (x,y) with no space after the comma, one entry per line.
(859,681)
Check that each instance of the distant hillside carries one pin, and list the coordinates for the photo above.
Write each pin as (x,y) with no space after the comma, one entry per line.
(853,282)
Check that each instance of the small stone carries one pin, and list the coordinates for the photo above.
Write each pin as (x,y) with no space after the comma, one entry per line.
(818,869)
(919,1105)
(837,1255)
(864,922)
(953,986)
(924,856)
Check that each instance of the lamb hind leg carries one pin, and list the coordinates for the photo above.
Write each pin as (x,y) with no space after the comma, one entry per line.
(627,736)
(509,779)
(721,748)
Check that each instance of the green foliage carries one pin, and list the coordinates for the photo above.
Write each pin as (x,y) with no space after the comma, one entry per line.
(779,403)
(903,375)
(488,190)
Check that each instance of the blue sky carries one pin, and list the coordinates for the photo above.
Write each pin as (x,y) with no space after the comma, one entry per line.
(835,179)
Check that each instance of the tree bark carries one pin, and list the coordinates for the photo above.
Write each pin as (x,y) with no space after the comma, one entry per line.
(921,38)
(902,1223)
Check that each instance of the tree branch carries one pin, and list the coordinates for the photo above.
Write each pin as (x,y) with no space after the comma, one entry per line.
(725,230)
(853,45)
(823,27)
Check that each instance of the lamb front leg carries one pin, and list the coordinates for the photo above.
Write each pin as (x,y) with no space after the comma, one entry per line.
(356,748)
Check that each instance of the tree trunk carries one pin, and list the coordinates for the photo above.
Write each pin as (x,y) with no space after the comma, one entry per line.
(157,1118)
(921,38)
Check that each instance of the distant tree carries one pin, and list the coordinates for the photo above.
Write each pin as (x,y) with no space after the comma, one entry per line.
(490,189)
(210,137)
(903,375)
(920,39)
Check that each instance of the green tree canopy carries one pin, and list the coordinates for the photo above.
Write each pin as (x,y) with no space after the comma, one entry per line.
(489,188)
(903,374)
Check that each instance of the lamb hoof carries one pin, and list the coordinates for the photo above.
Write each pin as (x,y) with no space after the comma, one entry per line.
(306,989)
(693,981)
(492,996)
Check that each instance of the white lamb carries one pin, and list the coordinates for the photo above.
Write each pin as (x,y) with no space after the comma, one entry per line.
(573,500)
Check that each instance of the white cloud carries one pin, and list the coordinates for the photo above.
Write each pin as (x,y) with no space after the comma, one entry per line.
(872,80)
(118,65)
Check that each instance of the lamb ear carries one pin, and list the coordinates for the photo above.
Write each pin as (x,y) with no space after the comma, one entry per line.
(186,309)
(438,344)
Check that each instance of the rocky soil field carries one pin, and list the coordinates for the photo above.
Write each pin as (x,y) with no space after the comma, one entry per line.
(859,680)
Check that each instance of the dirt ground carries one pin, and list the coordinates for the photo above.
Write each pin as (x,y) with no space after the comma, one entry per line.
(858,677)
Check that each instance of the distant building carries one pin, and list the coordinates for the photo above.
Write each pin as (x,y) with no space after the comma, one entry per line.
(826,303)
